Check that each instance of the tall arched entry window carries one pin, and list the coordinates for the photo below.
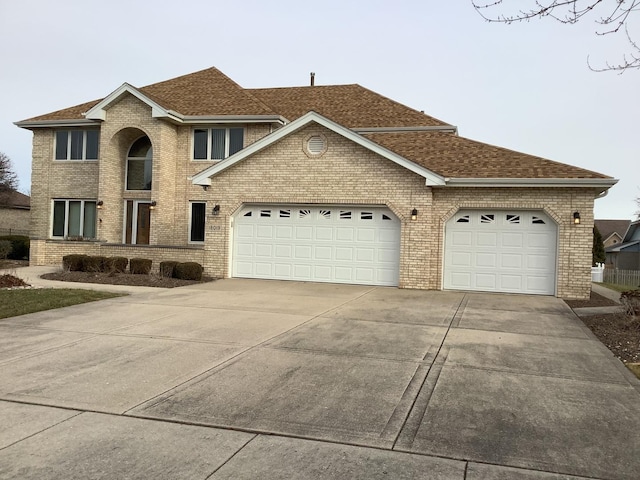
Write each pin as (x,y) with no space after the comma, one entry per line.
(140,165)
(138,178)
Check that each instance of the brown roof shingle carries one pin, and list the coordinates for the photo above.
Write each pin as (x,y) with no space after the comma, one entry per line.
(457,157)
(352,106)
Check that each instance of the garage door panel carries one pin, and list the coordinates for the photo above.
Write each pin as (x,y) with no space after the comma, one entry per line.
(501,251)
(327,244)
(324,233)
(322,253)
(303,252)
(487,239)
(461,239)
(284,232)
(511,260)
(484,260)
(345,234)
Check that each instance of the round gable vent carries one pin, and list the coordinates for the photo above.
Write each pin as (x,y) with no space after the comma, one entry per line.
(315,145)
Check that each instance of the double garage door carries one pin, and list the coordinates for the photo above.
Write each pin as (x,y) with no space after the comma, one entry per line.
(501,251)
(339,244)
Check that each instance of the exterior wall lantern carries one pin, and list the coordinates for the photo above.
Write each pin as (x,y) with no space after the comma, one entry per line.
(576,218)
(152,205)
(414,215)
(99,204)
(216,210)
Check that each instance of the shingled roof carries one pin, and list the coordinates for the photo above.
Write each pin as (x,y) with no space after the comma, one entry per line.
(350,105)
(210,92)
(609,227)
(453,156)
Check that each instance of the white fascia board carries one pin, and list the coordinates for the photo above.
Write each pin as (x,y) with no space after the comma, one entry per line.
(313,117)
(230,119)
(98,111)
(55,123)
(532,182)
(438,128)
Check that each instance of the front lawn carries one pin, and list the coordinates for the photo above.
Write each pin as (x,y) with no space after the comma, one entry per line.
(22,301)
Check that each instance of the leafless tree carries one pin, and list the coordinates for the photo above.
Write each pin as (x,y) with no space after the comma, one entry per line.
(8,179)
(611,16)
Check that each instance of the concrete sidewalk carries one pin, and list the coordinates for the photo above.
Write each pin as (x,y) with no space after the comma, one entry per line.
(264,379)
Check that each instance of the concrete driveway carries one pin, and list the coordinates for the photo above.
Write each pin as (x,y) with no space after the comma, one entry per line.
(264,379)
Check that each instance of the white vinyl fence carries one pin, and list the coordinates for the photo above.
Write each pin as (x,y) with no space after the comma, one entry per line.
(629,278)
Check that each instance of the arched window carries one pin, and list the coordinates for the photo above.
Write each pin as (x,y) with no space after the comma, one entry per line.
(139,165)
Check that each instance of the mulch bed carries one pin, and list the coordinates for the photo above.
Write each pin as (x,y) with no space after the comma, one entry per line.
(9,281)
(595,301)
(121,279)
(619,332)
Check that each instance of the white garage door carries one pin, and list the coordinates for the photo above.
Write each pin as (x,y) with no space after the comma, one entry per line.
(500,251)
(321,244)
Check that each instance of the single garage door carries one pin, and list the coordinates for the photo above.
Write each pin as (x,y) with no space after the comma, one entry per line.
(338,244)
(501,251)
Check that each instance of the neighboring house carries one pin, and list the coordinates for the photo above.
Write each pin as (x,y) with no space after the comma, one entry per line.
(626,255)
(15,214)
(612,231)
(317,183)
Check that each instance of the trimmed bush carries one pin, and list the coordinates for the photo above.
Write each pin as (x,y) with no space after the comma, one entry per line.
(140,266)
(94,264)
(74,262)
(188,271)
(5,249)
(168,269)
(116,264)
(19,246)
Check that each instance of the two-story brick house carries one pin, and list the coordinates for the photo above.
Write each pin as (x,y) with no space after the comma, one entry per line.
(317,183)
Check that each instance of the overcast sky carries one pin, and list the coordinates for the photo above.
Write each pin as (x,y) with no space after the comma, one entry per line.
(524,86)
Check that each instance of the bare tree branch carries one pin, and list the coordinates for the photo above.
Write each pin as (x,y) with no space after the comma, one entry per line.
(614,15)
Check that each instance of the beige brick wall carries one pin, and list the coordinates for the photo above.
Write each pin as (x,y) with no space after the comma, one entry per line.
(282,173)
(14,220)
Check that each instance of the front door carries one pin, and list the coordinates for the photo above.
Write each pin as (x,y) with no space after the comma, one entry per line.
(138,222)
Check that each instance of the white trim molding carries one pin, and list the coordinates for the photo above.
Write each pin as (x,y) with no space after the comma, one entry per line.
(204,177)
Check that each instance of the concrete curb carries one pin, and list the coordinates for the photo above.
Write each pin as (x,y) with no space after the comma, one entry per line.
(606,292)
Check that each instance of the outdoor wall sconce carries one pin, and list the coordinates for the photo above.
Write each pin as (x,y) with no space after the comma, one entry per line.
(576,218)
(216,210)
(205,187)
(152,205)
(99,204)
(414,215)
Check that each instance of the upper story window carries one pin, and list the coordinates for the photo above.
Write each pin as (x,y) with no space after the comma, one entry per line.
(217,143)
(140,165)
(77,144)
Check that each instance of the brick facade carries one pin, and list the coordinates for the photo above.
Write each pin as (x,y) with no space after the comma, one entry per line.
(281,173)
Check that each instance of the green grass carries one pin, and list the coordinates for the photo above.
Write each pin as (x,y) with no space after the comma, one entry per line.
(635,368)
(617,288)
(20,302)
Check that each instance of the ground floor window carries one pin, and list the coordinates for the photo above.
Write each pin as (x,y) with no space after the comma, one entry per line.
(74,219)
(196,222)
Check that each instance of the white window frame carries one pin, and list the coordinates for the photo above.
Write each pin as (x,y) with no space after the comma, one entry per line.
(84,145)
(227,142)
(197,242)
(66,217)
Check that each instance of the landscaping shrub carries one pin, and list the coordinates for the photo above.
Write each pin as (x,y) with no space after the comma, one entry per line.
(116,264)
(19,246)
(631,302)
(188,271)
(5,249)
(94,264)
(168,268)
(140,266)
(74,262)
